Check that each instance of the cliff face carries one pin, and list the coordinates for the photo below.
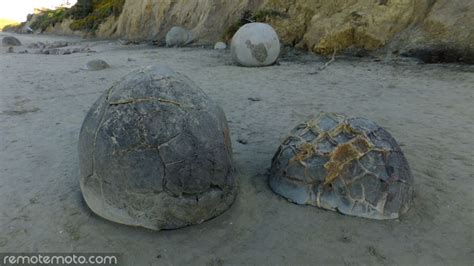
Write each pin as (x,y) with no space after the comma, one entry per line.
(445,34)
(323,26)
(415,27)
(431,29)
(151,19)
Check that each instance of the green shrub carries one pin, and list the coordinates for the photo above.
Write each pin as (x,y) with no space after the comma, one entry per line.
(81,9)
(101,10)
(87,15)
(49,18)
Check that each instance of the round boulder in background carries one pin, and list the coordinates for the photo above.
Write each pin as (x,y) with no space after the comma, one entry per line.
(155,152)
(349,165)
(10,41)
(255,44)
(179,36)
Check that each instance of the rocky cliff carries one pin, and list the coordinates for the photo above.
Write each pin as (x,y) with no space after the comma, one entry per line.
(434,30)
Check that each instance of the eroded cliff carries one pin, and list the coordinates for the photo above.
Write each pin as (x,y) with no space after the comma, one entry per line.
(434,30)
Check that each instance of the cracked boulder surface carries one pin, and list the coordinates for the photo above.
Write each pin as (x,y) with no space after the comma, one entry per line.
(155,152)
(349,165)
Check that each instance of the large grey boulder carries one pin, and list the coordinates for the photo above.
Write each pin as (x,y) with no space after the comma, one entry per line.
(10,41)
(155,152)
(349,165)
(255,44)
(178,36)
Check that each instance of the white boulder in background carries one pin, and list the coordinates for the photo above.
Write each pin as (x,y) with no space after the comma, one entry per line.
(255,44)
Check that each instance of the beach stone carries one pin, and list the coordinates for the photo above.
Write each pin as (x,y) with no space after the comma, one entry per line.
(97,64)
(37,45)
(220,46)
(178,36)
(57,44)
(349,165)
(155,152)
(53,51)
(34,46)
(255,44)
(10,41)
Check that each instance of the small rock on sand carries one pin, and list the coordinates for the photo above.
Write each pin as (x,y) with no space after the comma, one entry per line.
(220,46)
(10,41)
(97,64)
(58,44)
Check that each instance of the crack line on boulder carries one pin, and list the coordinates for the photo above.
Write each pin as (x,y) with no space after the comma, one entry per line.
(147,99)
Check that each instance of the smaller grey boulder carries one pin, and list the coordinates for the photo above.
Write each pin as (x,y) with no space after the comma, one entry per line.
(349,165)
(10,41)
(33,46)
(179,36)
(53,51)
(57,44)
(97,64)
(220,46)
(37,45)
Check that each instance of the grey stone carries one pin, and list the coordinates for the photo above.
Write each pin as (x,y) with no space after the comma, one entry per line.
(53,51)
(10,41)
(155,152)
(57,44)
(97,64)
(179,36)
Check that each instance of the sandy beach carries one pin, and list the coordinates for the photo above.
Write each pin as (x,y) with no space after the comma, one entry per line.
(427,108)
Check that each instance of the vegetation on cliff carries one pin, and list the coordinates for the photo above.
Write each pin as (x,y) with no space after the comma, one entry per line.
(87,15)
(48,18)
